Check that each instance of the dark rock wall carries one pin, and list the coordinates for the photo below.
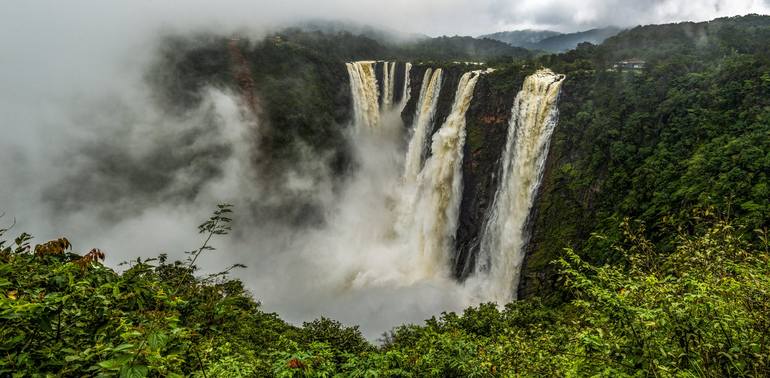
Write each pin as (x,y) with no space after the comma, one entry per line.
(398,86)
(415,82)
(446,97)
(486,131)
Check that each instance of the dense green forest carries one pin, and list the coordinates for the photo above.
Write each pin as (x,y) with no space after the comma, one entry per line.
(652,228)
(689,131)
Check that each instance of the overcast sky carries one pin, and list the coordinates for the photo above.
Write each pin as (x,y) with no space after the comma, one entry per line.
(433,17)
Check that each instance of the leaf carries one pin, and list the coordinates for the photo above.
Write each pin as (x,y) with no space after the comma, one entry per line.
(134,371)
(110,364)
(157,340)
(122,347)
(73,357)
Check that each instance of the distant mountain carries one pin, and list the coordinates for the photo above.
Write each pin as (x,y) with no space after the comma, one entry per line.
(564,42)
(522,38)
(552,41)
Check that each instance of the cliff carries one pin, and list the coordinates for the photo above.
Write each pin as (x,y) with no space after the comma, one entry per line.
(643,145)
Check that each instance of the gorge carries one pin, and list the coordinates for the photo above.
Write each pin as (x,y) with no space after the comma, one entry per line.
(430,189)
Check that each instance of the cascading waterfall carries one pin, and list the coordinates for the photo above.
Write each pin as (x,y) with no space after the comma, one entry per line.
(406,94)
(427,207)
(426,111)
(365,91)
(534,116)
(440,185)
(388,84)
(363,87)
(386,95)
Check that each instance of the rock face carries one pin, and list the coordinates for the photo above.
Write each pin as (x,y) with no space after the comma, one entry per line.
(451,78)
(446,97)
(415,78)
(486,132)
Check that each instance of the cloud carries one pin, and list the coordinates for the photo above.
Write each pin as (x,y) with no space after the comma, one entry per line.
(116,20)
(566,15)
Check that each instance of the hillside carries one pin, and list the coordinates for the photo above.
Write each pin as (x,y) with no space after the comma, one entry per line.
(654,145)
(460,48)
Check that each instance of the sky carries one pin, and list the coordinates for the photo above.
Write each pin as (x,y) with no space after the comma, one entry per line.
(432,17)
(78,127)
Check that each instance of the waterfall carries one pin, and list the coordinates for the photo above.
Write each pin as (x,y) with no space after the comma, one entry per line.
(533,118)
(385,85)
(388,83)
(406,94)
(391,84)
(363,87)
(423,121)
(437,204)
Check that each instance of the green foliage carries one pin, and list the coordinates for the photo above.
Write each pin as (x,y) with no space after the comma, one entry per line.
(61,316)
(460,48)
(703,308)
(688,132)
(700,309)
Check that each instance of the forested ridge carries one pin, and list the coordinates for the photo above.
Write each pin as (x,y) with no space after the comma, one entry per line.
(650,252)
(688,132)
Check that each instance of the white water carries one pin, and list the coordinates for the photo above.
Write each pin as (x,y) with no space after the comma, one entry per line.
(387,96)
(383,258)
(357,268)
(407,92)
(534,116)
(366,92)
(416,236)
(388,84)
(437,204)
(363,86)
(423,122)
